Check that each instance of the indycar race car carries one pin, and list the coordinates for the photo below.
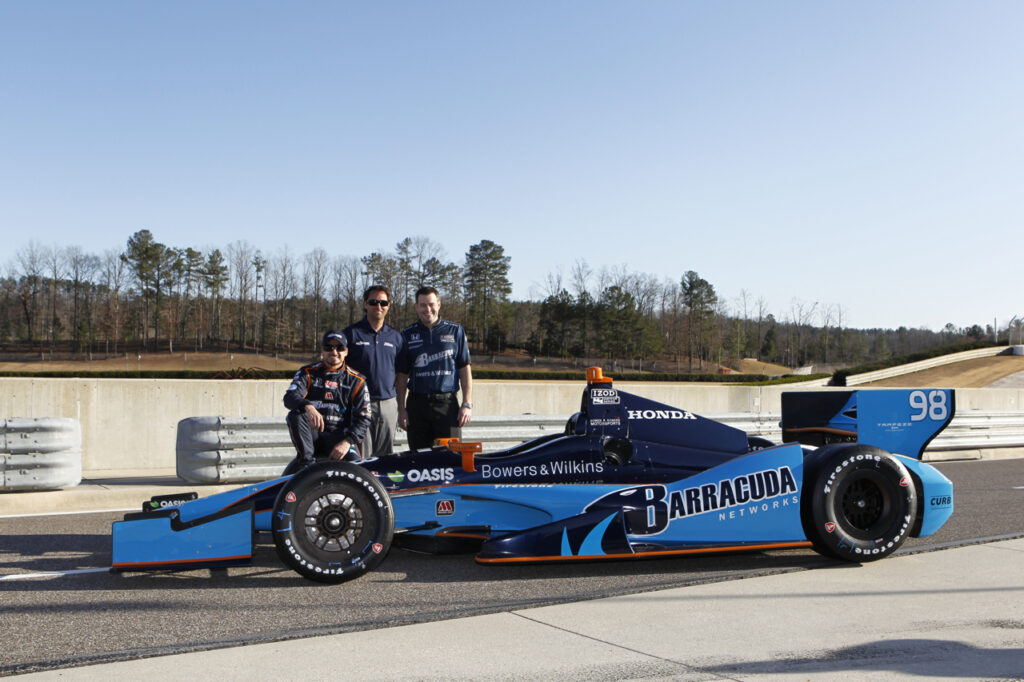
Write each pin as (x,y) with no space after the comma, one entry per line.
(628,478)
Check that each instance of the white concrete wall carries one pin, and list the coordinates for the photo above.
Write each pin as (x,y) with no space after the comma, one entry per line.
(132,423)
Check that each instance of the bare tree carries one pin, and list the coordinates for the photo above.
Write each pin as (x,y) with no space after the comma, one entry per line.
(762,324)
(581,273)
(243,279)
(801,314)
(346,292)
(282,283)
(113,278)
(31,259)
(553,283)
(56,268)
(314,275)
(81,269)
(828,316)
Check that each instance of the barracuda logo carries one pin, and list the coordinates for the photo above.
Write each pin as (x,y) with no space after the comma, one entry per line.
(423,360)
(653,507)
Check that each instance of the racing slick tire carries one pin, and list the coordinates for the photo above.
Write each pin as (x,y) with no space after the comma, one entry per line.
(332,522)
(859,502)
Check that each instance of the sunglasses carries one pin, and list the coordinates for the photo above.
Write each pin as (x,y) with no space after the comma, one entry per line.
(376,301)
(335,347)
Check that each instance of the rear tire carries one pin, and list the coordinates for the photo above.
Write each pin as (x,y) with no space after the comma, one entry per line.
(859,502)
(332,522)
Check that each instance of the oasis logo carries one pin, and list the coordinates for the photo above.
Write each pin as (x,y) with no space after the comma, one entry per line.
(167,504)
(430,475)
(660,414)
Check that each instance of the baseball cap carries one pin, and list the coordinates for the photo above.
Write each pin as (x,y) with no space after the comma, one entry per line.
(335,336)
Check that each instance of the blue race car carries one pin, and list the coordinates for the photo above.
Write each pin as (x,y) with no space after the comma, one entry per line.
(628,478)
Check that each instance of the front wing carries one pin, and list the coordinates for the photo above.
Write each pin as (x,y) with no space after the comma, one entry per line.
(207,532)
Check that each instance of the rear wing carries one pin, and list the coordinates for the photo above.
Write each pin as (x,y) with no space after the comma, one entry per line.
(608,412)
(902,421)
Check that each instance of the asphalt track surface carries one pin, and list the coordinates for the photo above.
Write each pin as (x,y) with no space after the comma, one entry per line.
(87,615)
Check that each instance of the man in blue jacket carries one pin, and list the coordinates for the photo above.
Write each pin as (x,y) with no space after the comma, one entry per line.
(373,347)
(433,365)
(329,406)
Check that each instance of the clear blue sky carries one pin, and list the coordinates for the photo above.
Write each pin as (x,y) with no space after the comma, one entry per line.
(861,154)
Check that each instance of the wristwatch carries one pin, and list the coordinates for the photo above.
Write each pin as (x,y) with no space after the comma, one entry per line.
(469,405)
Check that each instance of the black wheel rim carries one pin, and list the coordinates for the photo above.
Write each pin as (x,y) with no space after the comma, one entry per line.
(333,522)
(864,504)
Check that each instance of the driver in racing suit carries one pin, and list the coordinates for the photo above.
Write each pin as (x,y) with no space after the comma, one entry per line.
(329,406)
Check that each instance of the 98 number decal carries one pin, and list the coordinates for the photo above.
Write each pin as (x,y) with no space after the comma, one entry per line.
(931,405)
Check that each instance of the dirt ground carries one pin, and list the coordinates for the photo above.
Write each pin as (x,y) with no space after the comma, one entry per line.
(159,361)
(751,366)
(968,374)
(228,361)
(976,373)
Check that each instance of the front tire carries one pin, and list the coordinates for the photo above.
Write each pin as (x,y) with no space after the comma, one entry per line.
(332,522)
(861,504)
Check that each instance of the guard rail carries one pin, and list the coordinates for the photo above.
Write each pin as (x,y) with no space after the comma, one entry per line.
(242,449)
(227,450)
(900,370)
(40,454)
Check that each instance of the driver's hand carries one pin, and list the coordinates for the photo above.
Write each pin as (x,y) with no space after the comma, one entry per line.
(316,420)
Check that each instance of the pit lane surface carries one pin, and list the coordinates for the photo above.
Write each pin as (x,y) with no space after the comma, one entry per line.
(66,620)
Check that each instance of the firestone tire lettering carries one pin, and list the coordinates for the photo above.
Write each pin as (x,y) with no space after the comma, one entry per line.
(332,522)
(857,505)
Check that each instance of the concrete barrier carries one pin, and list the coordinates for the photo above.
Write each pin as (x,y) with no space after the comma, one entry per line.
(133,424)
(40,454)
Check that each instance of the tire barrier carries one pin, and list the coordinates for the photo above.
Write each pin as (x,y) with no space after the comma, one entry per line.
(232,449)
(40,454)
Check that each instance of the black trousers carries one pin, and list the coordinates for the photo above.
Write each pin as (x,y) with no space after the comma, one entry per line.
(312,445)
(431,416)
